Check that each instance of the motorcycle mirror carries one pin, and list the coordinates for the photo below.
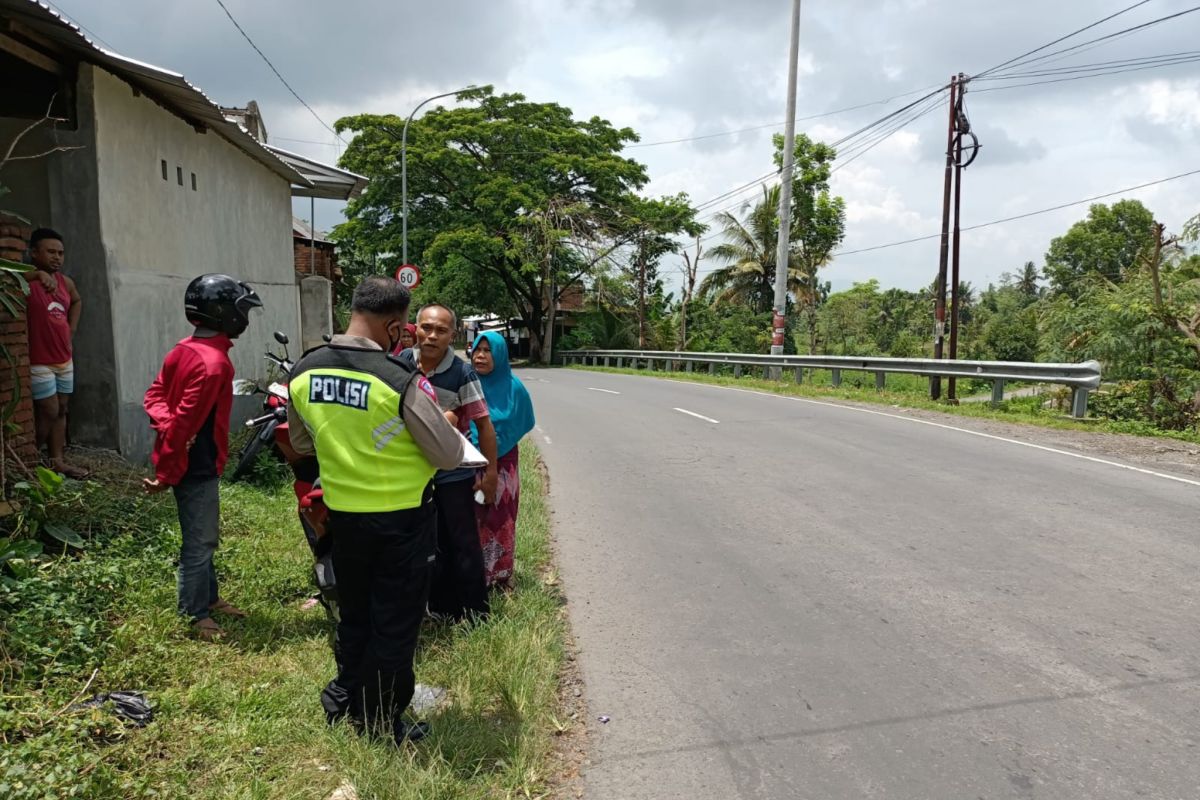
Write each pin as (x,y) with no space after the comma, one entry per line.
(243,387)
(328,338)
(281,338)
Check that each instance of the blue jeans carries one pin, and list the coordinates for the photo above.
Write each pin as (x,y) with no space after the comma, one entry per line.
(198,502)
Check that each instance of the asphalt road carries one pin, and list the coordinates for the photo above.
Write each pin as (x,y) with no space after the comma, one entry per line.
(797,600)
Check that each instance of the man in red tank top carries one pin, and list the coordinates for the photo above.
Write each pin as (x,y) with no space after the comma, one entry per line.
(52,316)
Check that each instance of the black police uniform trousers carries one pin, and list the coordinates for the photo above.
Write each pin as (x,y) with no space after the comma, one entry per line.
(459,579)
(384,566)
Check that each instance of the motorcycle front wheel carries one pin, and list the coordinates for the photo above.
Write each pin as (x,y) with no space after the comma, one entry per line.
(249,454)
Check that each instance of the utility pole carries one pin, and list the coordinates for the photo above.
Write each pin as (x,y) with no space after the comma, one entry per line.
(939,310)
(641,294)
(961,129)
(779,320)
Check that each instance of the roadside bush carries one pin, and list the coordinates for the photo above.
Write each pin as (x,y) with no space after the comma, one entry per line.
(1164,402)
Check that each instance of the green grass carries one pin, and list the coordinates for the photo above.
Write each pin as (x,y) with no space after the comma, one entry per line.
(911,391)
(241,719)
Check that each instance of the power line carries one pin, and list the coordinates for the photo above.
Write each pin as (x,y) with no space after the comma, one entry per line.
(1100,39)
(301,141)
(1096,67)
(744,187)
(1025,215)
(71,17)
(869,142)
(1085,77)
(1063,38)
(1052,58)
(822,115)
(282,80)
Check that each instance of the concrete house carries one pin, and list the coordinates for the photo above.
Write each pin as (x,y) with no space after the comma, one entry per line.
(152,183)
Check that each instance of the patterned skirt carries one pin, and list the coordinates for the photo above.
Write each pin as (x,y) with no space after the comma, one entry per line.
(498,522)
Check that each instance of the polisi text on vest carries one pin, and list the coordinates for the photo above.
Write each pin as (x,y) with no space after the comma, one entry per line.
(340,390)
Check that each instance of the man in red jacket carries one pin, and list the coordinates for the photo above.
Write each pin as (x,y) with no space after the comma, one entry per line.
(189,405)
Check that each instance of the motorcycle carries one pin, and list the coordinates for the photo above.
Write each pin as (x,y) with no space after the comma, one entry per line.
(271,430)
(268,427)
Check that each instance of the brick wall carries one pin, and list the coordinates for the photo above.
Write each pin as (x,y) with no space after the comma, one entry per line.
(14,234)
(324,260)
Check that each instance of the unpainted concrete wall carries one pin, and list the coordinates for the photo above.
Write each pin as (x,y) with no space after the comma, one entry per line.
(316,310)
(159,234)
(75,213)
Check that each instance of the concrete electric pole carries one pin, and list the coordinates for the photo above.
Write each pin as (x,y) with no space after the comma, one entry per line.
(779,322)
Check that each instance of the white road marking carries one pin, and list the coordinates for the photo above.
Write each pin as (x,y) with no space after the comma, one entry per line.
(547,438)
(606,391)
(698,416)
(967,431)
(538,428)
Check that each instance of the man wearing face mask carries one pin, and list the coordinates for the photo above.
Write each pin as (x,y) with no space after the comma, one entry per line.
(379,436)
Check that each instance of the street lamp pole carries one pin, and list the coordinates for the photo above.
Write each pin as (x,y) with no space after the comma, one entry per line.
(404,162)
(778,324)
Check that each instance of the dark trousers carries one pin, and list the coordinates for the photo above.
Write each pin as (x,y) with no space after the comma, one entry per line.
(459,586)
(198,502)
(384,564)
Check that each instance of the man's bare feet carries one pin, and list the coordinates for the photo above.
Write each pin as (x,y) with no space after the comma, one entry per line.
(71,471)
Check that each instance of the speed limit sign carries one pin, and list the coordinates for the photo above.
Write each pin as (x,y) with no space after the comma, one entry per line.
(408,275)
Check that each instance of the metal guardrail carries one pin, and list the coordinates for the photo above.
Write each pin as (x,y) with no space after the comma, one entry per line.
(1080,378)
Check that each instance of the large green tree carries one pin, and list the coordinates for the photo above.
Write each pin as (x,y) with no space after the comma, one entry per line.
(1105,245)
(511,202)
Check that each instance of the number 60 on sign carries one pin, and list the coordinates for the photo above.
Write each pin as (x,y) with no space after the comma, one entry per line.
(408,275)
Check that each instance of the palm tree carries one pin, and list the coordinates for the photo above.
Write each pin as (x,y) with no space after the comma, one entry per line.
(749,252)
(1027,281)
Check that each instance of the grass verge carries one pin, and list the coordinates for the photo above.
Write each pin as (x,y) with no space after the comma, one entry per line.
(908,391)
(241,719)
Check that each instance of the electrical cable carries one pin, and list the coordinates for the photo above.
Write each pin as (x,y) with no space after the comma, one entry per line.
(1085,77)
(1097,67)
(1063,38)
(1004,220)
(282,80)
(1026,215)
(809,118)
(871,141)
(1100,39)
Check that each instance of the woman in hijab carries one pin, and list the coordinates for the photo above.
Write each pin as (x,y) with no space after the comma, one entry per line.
(512,415)
(408,338)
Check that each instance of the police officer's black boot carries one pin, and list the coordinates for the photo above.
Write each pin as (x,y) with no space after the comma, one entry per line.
(384,702)
(337,700)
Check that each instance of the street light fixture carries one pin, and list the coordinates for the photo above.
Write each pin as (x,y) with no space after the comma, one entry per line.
(404,160)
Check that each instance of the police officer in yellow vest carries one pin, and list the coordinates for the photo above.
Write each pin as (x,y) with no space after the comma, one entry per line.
(379,436)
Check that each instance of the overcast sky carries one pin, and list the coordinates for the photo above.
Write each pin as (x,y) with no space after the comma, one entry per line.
(673,69)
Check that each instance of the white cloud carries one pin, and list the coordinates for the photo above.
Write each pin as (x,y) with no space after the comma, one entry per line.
(679,68)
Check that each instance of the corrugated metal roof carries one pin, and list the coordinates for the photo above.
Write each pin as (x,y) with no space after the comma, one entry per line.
(168,88)
(326,180)
(301,228)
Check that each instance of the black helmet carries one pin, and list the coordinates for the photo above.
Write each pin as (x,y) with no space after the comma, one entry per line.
(220,303)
